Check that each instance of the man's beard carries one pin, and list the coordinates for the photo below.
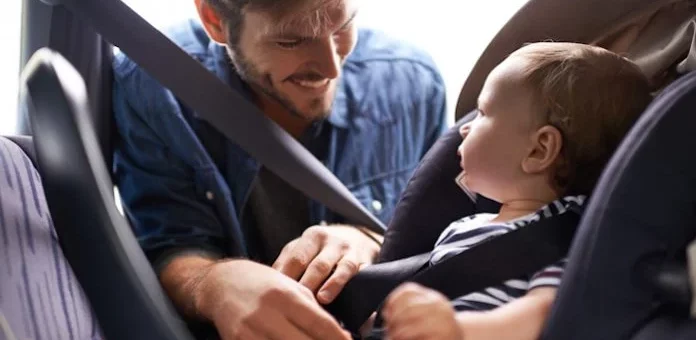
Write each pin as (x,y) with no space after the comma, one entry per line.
(250,74)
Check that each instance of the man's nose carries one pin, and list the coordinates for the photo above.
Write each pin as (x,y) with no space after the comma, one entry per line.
(326,58)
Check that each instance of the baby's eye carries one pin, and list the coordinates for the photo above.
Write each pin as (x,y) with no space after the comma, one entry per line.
(288,45)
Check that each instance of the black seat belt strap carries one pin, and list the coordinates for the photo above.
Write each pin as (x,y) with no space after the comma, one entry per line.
(222,107)
(511,255)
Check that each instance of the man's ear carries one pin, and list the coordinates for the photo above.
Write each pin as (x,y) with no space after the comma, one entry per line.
(546,144)
(211,22)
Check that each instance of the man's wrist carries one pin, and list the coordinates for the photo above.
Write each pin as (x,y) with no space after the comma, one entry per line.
(199,302)
(205,290)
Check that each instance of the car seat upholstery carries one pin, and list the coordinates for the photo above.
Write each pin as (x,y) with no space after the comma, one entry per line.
(39,295)
(660,43)
(26,143)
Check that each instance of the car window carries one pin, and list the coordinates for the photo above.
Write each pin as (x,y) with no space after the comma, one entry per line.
(455,33)
(10,33)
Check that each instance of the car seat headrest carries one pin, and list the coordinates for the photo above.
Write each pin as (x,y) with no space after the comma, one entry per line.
(659,42)
(580,21)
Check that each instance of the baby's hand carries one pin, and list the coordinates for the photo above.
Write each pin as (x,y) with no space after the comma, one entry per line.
(415,312)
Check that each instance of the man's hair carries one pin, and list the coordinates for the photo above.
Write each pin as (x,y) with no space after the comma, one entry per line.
(593,97)
(231,12)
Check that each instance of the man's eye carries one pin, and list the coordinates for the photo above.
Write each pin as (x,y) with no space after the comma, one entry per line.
(288,44)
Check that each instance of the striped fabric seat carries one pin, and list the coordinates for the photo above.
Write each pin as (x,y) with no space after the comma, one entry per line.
(40,299)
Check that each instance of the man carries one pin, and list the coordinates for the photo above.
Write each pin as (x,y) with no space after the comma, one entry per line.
(212,220)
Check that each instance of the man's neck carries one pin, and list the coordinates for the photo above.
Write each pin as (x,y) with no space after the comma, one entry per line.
(291,123)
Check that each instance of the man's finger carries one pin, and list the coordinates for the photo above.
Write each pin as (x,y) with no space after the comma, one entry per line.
(321,267)
(284,253)
(293,261)
(345,270)
(313,320)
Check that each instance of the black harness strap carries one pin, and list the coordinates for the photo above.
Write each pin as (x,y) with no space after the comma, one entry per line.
(513,254)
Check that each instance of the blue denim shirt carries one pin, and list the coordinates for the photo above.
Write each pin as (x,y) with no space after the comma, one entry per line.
(184,186)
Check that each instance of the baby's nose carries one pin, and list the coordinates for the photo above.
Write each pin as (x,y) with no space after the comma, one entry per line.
(464,130)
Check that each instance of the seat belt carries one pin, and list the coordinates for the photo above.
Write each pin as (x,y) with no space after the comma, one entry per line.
(508,256)
(225,109)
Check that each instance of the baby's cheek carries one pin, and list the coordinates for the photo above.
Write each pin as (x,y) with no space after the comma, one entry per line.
(471,160)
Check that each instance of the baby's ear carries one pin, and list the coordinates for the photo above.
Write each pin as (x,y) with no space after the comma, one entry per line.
(546,144)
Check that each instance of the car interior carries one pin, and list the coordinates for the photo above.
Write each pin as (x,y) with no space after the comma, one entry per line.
(89,279)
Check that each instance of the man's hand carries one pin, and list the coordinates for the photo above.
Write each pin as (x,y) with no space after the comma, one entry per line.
(324,258)
(247,300)
(415,312)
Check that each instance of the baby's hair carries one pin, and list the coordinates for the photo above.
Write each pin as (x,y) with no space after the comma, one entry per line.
(592,96)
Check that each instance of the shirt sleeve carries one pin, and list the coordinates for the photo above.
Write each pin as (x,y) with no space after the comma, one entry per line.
(162,190)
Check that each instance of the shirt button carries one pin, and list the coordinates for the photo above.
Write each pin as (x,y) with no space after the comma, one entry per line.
(209,195)
(377,206)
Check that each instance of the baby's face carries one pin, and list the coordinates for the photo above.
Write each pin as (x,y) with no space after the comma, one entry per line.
(499,138)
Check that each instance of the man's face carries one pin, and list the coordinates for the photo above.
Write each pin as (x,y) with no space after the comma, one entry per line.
(296,60)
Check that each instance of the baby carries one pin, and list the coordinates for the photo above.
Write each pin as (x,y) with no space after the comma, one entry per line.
(549,118)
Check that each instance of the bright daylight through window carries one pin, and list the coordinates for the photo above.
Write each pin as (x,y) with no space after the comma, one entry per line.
(10,28)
